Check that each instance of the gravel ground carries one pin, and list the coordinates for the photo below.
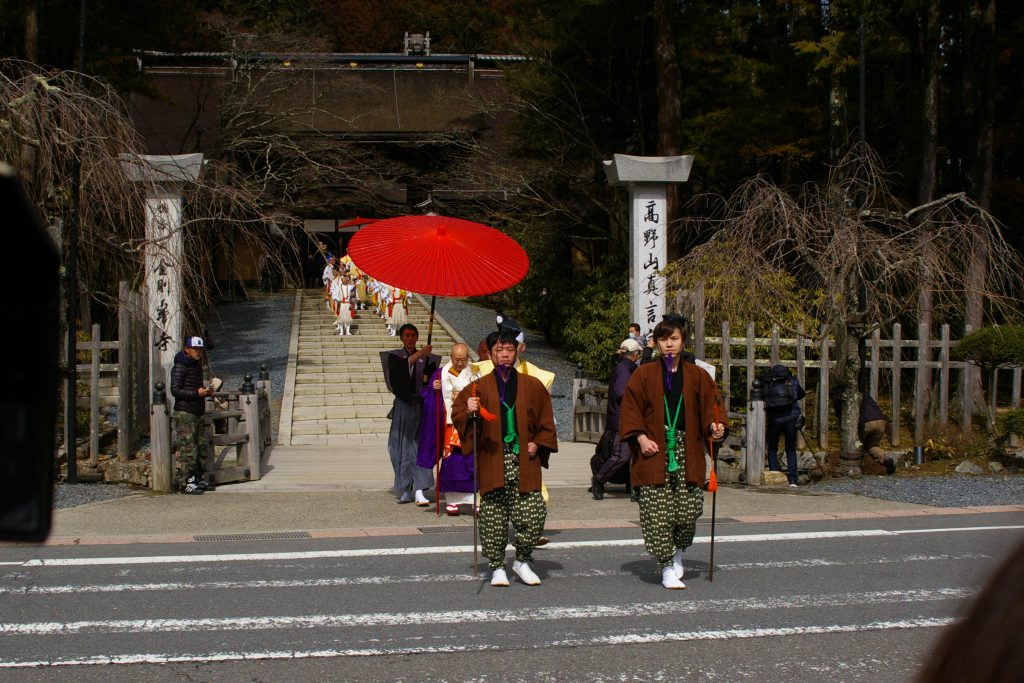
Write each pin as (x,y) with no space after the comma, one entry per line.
(474,323)
(961,491)
(247,334)
(72,495)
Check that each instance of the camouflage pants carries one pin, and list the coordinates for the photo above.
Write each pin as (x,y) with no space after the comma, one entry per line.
(189,450)
(668,516)
(501,507)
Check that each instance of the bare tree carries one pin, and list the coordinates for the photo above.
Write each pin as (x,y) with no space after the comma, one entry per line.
(52,121)
(798,256)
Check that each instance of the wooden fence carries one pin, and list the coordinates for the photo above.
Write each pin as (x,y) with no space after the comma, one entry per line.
(895,364)
(123,383)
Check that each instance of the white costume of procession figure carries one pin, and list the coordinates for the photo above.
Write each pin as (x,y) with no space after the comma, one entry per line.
(341,294)
(399,308)
(451,384)
(327,276)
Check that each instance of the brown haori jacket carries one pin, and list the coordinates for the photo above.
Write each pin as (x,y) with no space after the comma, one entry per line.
(534,420)
(643,412)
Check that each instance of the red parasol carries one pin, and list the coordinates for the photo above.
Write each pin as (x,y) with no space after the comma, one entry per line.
(438,255)
(356,221)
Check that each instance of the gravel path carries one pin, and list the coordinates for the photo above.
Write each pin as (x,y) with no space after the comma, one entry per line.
(961,491)
(72,495)
(247,334)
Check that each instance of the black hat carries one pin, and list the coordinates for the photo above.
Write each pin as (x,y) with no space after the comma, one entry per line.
(675,318)
(507,324)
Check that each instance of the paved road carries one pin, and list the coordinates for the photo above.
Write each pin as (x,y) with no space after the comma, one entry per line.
(848,600)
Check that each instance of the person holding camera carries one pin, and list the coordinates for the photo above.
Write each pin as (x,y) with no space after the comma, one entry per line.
(782,395)
(190,394)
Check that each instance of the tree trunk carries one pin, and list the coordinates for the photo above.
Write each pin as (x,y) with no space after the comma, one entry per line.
(982,28)
(847,366)
(32,32)
(927,178)
(669,89)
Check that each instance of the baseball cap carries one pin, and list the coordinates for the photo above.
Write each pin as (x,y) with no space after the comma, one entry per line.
(194,343)
(629,346)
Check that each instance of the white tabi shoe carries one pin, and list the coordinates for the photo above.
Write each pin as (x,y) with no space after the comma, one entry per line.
(421,500)
(677,564)
(670,580)
(524,572)
(499,578)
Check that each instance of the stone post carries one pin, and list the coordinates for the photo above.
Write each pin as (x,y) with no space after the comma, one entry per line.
(755,436)
(647,179)
(249,402)
(161,457)
(165,177)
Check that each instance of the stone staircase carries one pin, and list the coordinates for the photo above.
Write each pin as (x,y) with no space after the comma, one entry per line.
(339,397)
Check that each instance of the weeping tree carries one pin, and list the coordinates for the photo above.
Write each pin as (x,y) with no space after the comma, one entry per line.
(66,134)
(846,255)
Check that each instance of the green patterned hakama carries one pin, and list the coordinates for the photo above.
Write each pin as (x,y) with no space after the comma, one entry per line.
(501,507)
(669,511)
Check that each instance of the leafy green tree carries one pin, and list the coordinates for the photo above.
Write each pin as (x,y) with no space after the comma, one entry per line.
(991,348)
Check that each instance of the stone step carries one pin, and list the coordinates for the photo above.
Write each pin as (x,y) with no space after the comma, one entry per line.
(326,390)
(358,410)
(341,426)
(317,400)
(339,397)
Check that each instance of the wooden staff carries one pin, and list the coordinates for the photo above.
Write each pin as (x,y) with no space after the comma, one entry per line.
(475,419)
(713,487)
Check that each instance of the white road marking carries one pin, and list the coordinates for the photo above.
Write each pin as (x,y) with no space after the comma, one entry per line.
(640,637)
(342,581)
(394,619)
(440,550)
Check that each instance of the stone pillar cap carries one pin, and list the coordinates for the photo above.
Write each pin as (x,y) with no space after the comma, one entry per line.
(156,168)
(625,169)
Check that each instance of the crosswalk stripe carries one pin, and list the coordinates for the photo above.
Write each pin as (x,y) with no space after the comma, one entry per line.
(443,578)
(392,619)
(436,550)
(625,638)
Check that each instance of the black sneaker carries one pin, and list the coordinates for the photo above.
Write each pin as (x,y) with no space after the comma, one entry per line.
(192,489)
(199,482)
(890,466)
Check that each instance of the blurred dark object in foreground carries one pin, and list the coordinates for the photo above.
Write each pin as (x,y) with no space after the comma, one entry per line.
(29,344)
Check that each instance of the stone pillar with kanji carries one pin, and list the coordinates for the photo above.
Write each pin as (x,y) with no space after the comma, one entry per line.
(165,177)
(647,179)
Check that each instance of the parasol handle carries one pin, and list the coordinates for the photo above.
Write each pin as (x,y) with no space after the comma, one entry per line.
(430,324)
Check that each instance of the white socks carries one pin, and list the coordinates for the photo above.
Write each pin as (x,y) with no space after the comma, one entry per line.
(677,563)
(524,572)
(499,578)
(670,580)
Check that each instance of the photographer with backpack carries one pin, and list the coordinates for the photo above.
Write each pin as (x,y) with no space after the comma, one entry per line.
(782,394)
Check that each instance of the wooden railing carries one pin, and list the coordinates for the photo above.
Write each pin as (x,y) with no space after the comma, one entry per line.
(236,434)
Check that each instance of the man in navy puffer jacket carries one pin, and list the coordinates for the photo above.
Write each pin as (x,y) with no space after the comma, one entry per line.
(189,405)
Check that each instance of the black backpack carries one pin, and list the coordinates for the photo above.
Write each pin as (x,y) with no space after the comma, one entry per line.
(778,393)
